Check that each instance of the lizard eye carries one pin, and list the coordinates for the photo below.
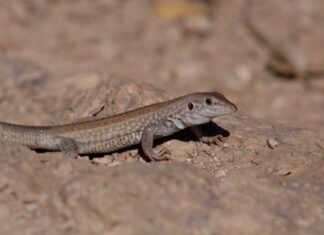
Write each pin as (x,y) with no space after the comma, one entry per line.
(190,106)
(208,101)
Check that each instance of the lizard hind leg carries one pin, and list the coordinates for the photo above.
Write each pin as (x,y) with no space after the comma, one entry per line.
(69,147)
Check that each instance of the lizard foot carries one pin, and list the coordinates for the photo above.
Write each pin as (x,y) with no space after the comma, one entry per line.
(161,154)
(217,140)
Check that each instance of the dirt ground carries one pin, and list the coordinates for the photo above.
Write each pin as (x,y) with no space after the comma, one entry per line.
(65,60)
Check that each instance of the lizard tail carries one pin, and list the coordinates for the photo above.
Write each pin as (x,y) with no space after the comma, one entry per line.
(20,134)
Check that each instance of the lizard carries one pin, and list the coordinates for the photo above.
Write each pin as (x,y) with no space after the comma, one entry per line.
(111,133)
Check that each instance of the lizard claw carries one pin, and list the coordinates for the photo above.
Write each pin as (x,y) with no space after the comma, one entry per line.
(217,140)
(162,154)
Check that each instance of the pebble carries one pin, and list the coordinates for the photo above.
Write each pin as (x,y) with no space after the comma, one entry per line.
(225,145)
(115,164)
(216,159)
(221,173)
(133,153)
(199,25)
(131,160)
(284,172)
(102,160)
(272,143)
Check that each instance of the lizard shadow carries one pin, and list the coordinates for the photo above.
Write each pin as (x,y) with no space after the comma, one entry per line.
(208,130)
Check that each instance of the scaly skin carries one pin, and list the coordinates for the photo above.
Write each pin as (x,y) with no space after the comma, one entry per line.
(108,134)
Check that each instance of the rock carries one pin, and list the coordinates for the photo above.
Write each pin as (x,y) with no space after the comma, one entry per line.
(272,143)
(103,160)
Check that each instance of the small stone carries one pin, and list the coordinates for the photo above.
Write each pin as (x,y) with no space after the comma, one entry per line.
(142,160)
(220,173)
(102,160)
(239,136)
(284,172)
(115,164)
(272,143)
(133,153)
(225,145)
(216,159)
(199,25)
(83,158)
(120,157)
(131,160)
(255,162)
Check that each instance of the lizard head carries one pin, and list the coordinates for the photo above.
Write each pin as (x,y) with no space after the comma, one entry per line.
(202,107)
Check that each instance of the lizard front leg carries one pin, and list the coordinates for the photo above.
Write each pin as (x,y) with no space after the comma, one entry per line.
(147,145)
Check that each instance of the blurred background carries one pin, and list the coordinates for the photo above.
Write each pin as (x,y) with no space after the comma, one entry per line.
(266,56)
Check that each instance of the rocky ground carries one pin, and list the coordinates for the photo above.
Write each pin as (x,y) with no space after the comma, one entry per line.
(65,60)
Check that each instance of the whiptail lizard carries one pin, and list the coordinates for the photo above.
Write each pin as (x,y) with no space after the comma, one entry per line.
(107,134)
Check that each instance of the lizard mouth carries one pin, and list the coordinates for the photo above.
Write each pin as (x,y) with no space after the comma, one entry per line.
(234,107)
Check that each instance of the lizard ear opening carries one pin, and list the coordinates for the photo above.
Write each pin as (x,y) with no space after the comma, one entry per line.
(190,106)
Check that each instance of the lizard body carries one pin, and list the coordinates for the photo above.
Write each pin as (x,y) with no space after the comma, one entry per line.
(107,134)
